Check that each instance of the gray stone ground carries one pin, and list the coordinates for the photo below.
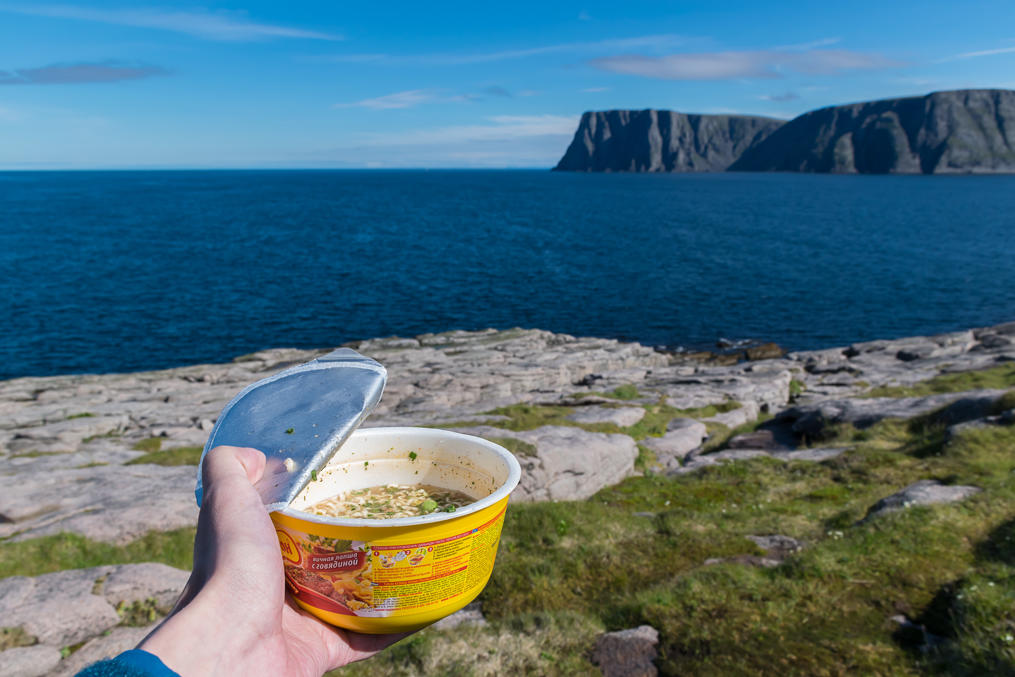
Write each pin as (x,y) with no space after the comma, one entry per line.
(64,440)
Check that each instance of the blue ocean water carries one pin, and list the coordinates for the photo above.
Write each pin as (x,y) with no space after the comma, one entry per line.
(119,271)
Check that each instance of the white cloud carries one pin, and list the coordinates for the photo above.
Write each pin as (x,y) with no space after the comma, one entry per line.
(650,42)
(225,26)
(406,99)
(741,64)
(76,73)
(985,52)
(593,90)
(805,46)
(584,16)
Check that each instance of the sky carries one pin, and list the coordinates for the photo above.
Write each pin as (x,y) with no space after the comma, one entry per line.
(258,84)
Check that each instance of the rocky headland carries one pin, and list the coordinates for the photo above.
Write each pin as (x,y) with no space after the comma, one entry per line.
(661,141)
(963,131)
(110,457)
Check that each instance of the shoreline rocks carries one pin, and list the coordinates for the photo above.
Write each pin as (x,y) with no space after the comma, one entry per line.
(66,444)
(68,438)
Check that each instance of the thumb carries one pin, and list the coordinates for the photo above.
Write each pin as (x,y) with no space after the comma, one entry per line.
(229,462)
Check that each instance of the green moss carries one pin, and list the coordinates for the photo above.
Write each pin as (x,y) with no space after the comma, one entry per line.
(140,613)
(11,638)
(84,414)
(646,460)
(531,416)
(997,377)
(35,453)
(515,446)
(172,456)
(72,551)
(624,392)
(149,445)
(796,389)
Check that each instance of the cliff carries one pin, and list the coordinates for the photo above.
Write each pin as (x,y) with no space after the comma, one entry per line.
(967,131)
(661,141)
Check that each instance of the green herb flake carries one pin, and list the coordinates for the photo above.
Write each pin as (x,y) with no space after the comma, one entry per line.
(427,506)
(313,475)
(289,431)
(412,455)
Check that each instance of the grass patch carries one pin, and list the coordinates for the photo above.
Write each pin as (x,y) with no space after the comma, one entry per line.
(149,445)
(624,392)
(531,416)
(646,461)
(12,638)
(994,378)
(83,414)
(515,446)
(72,551)
(826,610)
(34,453)
(796,389)
(173,456)
(139,613)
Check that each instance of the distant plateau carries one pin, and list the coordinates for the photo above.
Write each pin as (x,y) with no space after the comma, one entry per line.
(955,132)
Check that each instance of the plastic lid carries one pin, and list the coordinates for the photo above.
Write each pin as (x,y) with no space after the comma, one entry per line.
(299,418)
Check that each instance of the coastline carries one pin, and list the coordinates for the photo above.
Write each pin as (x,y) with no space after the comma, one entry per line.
(115,455)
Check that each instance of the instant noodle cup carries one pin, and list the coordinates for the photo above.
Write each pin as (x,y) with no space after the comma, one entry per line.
(394,575)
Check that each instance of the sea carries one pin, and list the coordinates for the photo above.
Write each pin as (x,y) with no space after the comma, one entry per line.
(135,270)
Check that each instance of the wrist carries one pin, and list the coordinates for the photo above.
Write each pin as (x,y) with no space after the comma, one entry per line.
(197,640)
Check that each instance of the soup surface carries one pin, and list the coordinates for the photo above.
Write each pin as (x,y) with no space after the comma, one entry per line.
(390,501)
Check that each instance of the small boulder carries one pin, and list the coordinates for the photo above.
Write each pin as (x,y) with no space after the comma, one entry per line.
(471,614)
(29,661)
(105,646)
(683,435)
(924,492)
(627,653)
(621,417)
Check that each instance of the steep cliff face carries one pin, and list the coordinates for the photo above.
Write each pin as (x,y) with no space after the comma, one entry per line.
(661,141)
(967,131)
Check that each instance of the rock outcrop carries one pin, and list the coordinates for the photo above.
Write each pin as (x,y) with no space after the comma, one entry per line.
(661,141)
(966,131)
(66,444)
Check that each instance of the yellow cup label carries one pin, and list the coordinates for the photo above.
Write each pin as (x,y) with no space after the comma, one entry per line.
(389,579)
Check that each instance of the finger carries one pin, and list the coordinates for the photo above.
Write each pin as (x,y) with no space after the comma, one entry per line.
(235,535)
(224,462)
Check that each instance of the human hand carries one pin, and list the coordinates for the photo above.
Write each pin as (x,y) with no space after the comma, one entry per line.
(233,616)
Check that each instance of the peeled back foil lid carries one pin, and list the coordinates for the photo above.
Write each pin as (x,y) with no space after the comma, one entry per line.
(299,418)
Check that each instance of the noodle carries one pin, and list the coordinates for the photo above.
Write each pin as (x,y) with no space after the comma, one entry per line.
(391,501)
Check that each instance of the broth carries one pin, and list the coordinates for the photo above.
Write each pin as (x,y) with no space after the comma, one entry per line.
(391,501)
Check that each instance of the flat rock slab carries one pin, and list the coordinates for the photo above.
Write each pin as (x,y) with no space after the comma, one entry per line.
(812,419)
(924,492)
(683,435)
(729,455)
(67,607)
(621,417)
(111,503)
(627,653)
(470,614)
(101,648)
(29,661)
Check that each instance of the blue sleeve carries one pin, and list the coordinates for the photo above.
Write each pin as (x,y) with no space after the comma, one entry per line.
(133,663)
